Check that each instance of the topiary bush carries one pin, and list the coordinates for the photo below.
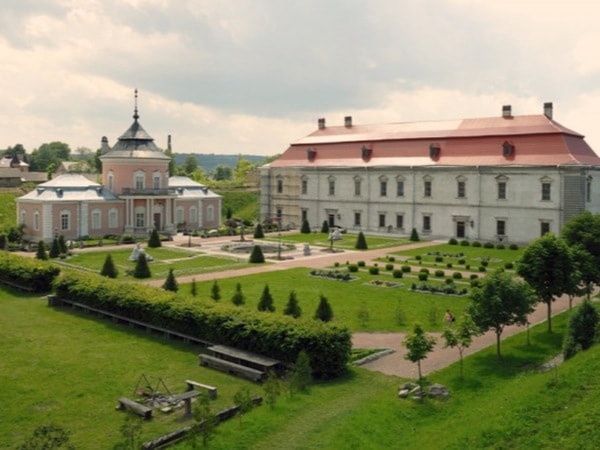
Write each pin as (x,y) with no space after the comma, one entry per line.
(325,227)
(423,276)
(500,246)
(154,241)
(457,275)
(361,264)
(414,236)
(509,266)
(374,270)
(397,273)
(464,243)
(352,268)
(439,273)
(476,244)
(452,241)
(389,267)
(439,259)
(405,269)
(257,255)
(305,229)
(513,247)
(361,242)
(258,232)
(449,265)
(488,245)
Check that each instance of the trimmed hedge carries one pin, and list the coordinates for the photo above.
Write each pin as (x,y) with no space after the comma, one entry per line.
(29,273)
(280,337)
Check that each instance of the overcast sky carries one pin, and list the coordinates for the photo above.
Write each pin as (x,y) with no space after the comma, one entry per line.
(236,76)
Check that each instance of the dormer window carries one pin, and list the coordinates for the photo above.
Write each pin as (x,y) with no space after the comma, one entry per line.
(434,150)
(508,149)
(366,151)
(311,154)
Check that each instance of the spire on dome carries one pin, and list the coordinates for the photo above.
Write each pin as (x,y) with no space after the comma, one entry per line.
(136,116)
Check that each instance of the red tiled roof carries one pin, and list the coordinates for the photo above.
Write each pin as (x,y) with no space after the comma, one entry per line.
(537,140)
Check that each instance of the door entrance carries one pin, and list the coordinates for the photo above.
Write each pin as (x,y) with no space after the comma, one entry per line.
(460,230)
(331,220)
(157,221)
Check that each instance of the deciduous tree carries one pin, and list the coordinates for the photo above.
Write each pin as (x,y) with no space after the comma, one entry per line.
(461,337)
(547,266)
(418,344)
(500,301)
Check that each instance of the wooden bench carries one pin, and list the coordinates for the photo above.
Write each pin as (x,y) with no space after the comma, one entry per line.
(231,367)
(138,408)
(212,391)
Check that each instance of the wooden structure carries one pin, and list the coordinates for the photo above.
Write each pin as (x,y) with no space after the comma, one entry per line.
(211,390)
(240,362)
(138,408)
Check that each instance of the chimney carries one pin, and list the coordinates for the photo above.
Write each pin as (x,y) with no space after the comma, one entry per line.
(322,123)
(169,142)
(548,109)
(348,121)
(506,111)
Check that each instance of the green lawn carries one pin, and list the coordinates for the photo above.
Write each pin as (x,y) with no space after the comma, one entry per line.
(384,305)
(348,241)
(183,262)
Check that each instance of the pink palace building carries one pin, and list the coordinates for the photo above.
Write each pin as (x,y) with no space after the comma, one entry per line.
(136,196)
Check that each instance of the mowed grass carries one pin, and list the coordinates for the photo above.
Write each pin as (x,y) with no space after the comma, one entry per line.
(348,241)
(183,262)
(388,309)
(68,368)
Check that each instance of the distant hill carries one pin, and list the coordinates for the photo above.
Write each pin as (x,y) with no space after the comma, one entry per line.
(208,162)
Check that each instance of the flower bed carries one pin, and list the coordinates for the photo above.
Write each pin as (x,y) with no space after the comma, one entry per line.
(445,289)
(382,283)
(338,275)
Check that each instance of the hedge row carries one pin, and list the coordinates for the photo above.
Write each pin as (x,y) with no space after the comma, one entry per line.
(27,272)
(280,337)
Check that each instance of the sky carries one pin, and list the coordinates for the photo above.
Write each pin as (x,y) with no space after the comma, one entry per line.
(252,76)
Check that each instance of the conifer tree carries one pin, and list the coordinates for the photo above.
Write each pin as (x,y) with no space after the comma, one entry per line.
(257,255)
(266,300)
(215,292)
(361,242)
(154,240)
(62,245)
(292,308)
(305,227)
(238,298)
(193,288)
(170,283)
(142,269)
(41,251)
(258,232)
(325,227)
(55,249)
(108,268)
(324,311)
(414,236)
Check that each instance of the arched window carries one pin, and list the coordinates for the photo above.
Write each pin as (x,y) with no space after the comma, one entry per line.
(179,215)
(113,218)
(156,180)
(96,219)
(139,180)
(36,221)
(193,214)
(210,212)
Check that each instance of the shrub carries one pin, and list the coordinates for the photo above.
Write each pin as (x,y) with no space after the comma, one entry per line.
(418,257)
(54,249)
(423,276)
(325,227)
(361,264)
(391,258)
(127,239)
(292,308)
(414,236)
(452,241)
(449,265)
(424,270)
(397,273)
(457,275)
(513,247)
(336,264)
(266,300)
(28,272)
(374,270)
(482,268)
(258,232)
(352,268)
(324,311)
(389,267)
(170,283)
(361,242)
(405,269)
(439,259)
(154,240)
(476,244)
(238,297)
(468,266)
(509,266)
(439,273)
(582,329)
(485,262)
(41,251)
(142,269)
(464,243)
(257,255)
(305,227)
(473,276)
(108,268)
(462,261)
(475,283)
(500,246)
(488,245)
(449,281)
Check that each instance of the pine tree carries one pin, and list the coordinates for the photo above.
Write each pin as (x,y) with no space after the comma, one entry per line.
(257,255)
(55,249)
(108,268)
(258,232)
(193,288)
(292,308)
(142,269)
(266,300)
(305,227)
(324,311)
(62,245)
(361,242)
(325,227)
(238,298)
(154,240)
(414,236)
(170,283)
(215,292)
(41,251)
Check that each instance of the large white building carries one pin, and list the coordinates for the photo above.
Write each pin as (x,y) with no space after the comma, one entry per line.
(501,179)
(137,195)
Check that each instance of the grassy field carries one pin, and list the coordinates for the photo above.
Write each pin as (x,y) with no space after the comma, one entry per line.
(69,369)
(183,262)
(8,209)
(348,241)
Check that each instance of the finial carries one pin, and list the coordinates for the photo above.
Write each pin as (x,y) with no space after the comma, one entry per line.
(135,112)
